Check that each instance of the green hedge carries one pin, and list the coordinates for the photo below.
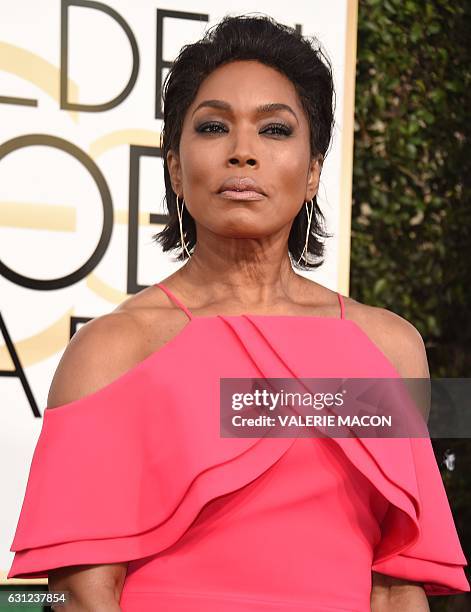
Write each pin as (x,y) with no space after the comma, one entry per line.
(411,214)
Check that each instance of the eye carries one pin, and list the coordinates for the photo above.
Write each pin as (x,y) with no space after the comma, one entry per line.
(280,129)
(203,128)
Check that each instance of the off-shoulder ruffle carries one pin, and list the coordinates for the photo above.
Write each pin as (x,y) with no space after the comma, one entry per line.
(116,478)
(435,557)
(419,541)
(121,474)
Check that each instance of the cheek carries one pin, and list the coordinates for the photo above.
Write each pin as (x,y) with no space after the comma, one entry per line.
(290,170)
(289,157)
(197,163)
(293,167)
(283,166)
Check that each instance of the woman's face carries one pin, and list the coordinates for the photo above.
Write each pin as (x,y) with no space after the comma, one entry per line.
(245,122)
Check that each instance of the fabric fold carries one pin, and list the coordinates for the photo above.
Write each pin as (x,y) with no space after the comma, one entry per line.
(419,541)
(121,474)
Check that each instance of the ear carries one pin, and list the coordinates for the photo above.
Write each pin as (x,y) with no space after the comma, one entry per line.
(174,169)
(314,175)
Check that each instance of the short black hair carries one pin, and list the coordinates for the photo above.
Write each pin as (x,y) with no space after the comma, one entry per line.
(299,58)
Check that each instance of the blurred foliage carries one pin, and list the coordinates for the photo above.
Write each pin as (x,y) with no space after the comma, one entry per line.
(411,214)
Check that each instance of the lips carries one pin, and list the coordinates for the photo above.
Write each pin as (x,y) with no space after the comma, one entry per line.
(241,184)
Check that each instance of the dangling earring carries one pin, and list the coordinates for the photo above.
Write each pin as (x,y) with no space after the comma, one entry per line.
(309,216)
(180,217)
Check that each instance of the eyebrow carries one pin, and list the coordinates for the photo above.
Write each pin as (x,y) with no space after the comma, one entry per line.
(263,108)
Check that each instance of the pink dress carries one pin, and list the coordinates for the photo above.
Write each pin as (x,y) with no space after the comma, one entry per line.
(138,472)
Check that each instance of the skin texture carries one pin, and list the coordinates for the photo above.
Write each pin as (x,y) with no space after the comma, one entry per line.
(393,595)
(92,588)
(243,144)
(240,265)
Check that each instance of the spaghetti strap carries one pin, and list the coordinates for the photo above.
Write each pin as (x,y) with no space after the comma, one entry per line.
(342,306)
(174,299)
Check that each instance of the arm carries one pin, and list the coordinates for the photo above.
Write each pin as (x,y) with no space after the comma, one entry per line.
(98,353)
(394,595)
(403,345)
(91,588)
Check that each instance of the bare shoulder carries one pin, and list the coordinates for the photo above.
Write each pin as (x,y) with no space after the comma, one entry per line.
(99,352)
(396,337)
(108,346)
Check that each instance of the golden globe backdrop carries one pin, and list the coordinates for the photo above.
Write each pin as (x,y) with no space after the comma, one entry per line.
(81,180)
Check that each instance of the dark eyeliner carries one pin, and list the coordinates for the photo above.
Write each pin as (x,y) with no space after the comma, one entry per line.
(283,129)
(201,128)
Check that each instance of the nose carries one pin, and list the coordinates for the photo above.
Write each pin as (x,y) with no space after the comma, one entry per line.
(242,152)
(241,160)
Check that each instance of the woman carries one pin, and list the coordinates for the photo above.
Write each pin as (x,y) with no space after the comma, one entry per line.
(153,509)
